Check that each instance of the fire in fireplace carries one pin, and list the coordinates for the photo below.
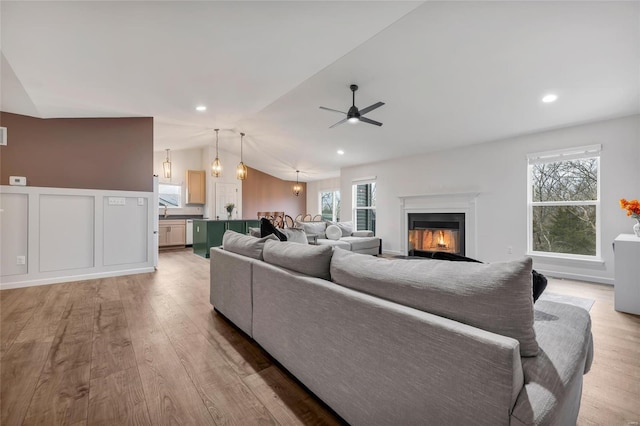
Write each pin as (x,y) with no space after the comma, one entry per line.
(431,232)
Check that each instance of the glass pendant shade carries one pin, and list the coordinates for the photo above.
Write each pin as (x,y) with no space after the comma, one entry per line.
(166,167)
(241,170)
(216,166)
(297,188)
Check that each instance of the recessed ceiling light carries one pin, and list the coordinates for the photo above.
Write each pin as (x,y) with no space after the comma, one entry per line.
(547,99)
(201,108)
(340,152)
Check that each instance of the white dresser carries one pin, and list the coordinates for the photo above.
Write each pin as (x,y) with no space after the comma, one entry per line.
(627,278)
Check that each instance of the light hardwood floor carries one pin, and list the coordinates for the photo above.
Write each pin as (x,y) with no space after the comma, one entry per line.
(148,349)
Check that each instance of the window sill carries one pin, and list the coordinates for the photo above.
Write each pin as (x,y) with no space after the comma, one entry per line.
(566,259)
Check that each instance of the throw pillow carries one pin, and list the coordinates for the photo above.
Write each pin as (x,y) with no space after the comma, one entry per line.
(333,232)
(295,235)
(495,297)
(345,227)
(245,245)
(267,228)
(255,232)
(317,228)
(309,260)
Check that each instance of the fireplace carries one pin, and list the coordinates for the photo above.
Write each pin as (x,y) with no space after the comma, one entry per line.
(431,232)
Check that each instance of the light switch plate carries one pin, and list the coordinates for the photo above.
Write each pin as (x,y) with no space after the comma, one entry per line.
(140,201)
(18,180)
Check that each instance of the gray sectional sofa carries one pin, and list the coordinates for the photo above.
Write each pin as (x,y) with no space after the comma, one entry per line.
(343,236)
(407,342)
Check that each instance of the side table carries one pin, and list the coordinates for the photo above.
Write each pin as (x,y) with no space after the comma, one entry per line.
(627,273)
(312,239)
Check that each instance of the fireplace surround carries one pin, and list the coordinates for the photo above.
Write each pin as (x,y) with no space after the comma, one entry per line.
(446,203)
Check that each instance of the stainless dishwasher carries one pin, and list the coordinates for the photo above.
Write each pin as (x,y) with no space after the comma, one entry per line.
(189,231)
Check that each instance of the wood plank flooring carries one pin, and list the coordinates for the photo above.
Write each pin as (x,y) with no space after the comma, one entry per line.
(148,349)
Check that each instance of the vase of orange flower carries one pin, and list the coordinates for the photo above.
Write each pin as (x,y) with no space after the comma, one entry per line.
(633,209)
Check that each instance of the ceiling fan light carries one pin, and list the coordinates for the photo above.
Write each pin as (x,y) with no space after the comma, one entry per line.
(353,120)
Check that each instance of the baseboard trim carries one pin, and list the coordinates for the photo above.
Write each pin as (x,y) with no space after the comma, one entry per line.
(577,277)
(72,278)
(394,252)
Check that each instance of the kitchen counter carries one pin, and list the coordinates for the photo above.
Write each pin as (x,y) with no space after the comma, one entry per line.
(180,216)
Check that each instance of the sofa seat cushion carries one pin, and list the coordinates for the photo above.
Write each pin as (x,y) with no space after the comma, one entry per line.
(551,395)
(307,259)
(362,243)
(334,243)
(495,297)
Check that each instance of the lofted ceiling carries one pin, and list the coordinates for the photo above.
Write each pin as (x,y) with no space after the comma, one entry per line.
(451,73)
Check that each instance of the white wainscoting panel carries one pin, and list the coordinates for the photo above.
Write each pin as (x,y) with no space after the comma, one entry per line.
(128,222)
(67,228)
(14,210)
(74,234)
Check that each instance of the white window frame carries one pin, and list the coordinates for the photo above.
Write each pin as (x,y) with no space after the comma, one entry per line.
(591,151)
(354,200)
(333,212)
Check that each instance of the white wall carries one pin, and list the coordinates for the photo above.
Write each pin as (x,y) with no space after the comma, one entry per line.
(313,193)
(73,234)
(498,172)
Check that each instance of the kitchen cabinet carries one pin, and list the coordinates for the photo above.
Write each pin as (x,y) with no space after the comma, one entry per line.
(208,233)
(171,233)
(196,189)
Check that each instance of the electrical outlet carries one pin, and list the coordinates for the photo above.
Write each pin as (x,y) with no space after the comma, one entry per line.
(509,250)
(117,201)
(21,260)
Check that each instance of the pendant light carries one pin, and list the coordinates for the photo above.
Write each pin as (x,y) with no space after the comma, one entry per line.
(297,188)
(166,166)
(216,166)
(241,170)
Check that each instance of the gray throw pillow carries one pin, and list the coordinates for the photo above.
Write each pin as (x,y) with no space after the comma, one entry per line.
(295,235)
(309,260)
(345,227)
(255,232)
(317,228)
(245,245)
(495,297)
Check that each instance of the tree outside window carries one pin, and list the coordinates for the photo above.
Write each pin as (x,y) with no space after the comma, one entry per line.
(330,205)
(564,204)
(364,212)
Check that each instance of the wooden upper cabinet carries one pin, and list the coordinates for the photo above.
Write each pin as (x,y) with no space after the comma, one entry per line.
(196,192)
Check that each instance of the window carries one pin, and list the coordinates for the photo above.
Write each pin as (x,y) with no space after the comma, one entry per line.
(169,195)
(364,211)
(564,203)
(330,205)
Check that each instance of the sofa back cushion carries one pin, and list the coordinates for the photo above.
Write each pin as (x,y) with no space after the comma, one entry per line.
(295,235)
(317,228)
(245,245)
(306,259)
(494,297)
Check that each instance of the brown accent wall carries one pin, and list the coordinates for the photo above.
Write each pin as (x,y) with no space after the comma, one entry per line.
(263,192)
(86,153)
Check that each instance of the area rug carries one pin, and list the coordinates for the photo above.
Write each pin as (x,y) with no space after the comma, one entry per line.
(571,300)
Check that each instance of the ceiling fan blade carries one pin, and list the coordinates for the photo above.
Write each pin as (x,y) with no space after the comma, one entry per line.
(330,109)
(371,108)
(338,123)
(366,120)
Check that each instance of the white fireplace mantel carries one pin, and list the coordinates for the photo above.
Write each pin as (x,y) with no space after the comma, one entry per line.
(461,202)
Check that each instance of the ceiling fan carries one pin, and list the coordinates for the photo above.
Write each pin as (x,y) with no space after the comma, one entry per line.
(354,115)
